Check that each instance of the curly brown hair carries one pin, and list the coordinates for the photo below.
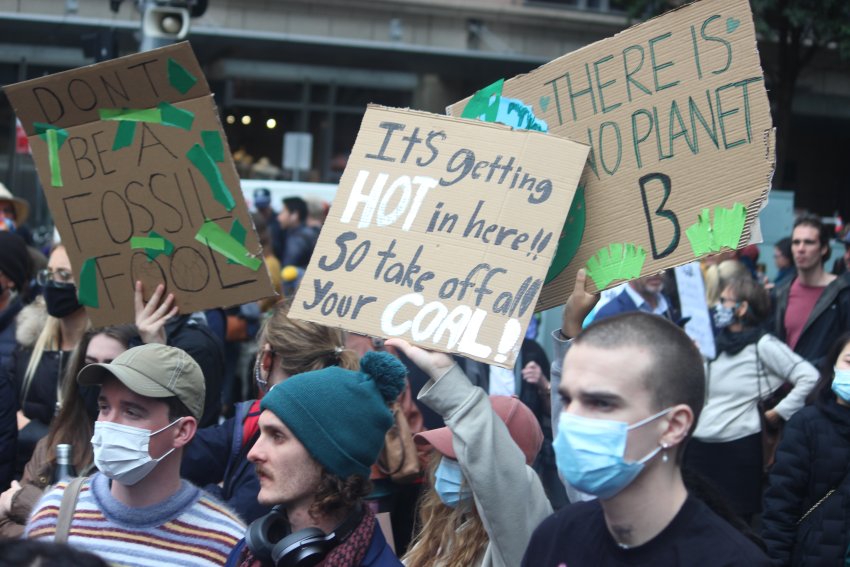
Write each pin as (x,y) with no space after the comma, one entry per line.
(335,495)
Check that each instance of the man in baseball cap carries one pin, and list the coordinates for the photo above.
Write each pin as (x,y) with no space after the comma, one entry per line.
(151,398)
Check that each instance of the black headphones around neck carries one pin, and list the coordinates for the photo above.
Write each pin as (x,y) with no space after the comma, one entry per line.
(270,540)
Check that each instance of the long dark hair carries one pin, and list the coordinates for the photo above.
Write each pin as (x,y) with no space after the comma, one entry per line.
(823,389)
(73,424)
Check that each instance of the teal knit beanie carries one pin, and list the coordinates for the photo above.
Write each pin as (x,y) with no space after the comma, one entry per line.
(341,416)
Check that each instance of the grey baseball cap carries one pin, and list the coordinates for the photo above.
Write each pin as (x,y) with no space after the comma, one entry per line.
(154,371)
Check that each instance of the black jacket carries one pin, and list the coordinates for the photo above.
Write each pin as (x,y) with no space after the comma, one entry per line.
(829,318)
(813,458)
(8,429)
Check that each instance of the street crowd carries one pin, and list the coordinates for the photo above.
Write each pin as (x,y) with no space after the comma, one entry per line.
(244,437)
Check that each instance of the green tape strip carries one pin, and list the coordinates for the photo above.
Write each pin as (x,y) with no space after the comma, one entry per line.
(167,249)
(238,232)
(54,137)
(616,262)
(484,104)
(149,242)
(53,159)
(729,225)
(177,117)
(213,236)
(179,77)
(124,135)
(571,236)
(152,115)
(87,292)
(205,164)
(725,232)
(213,144)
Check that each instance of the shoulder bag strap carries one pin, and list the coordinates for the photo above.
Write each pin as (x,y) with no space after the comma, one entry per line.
(759,372)
(825,497)
(67,509)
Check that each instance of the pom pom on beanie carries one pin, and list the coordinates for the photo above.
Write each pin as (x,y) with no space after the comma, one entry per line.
(341,416)
(387,371)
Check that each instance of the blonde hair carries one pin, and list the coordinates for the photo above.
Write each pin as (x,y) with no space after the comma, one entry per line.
(718,276)
(48,340)
(303,346)
(447,536)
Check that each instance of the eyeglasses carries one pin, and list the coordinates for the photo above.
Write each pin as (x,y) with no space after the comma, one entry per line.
(60,276)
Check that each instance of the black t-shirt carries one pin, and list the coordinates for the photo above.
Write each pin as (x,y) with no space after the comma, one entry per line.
(576,536)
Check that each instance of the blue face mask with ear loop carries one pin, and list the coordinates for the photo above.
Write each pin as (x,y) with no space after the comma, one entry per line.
(449,483)
(841,384)
(590,453)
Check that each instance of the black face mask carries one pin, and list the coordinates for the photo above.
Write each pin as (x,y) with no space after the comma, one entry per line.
(61,299)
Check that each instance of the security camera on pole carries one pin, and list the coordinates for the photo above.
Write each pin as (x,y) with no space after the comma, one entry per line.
(165,21)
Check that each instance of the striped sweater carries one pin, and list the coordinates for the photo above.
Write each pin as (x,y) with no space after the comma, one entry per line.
(190,528)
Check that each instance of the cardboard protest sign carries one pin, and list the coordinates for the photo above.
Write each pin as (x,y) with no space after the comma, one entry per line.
(691,289)
(441,232)
(682,148)
(141,184)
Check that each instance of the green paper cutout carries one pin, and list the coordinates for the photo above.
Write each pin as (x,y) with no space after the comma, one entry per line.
(726,231)
(616,262)
(213,144)
(149,242)
(152,253)
(181,79)
(213,236)
(484,103)
(732,24)
(238,232)
(41,128)
(87,293)
(205,164)
(124,135)
(571,236)
(177,117)
(54,137)
(152,115)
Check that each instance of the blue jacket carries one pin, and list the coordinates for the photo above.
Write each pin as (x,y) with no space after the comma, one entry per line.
(379,553)
(216,455)
(621,304)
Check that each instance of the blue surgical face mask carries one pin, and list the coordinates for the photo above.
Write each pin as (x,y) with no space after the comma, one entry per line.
(449,484)
(841,384)
(590,453)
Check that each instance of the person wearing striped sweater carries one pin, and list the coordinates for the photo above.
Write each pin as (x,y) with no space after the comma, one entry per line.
(137,511)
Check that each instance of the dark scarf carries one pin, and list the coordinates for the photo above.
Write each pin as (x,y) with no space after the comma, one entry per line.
(349,553)
(733,343)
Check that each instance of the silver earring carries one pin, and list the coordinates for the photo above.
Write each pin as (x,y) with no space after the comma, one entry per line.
(664,457)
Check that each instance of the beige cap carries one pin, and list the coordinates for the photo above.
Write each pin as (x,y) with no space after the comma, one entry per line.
(22,208)
(154,371)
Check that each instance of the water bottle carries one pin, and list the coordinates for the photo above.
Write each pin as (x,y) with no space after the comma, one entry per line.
(64,471)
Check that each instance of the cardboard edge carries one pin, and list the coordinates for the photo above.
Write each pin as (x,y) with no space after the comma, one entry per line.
(628,28)
(22,85)
(457,119)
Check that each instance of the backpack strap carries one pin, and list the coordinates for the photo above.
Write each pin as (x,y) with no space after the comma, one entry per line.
(67,509)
